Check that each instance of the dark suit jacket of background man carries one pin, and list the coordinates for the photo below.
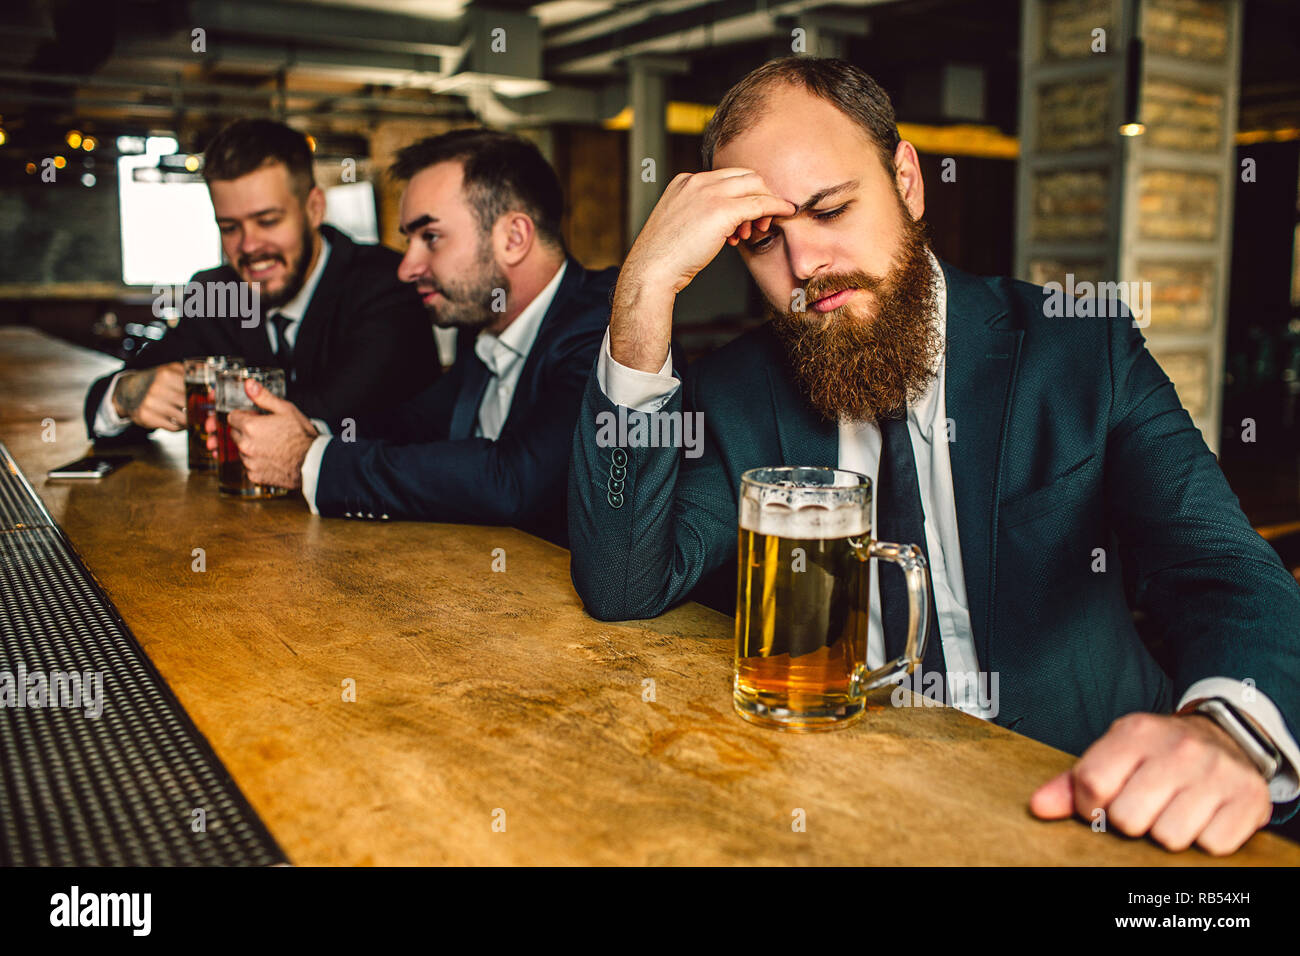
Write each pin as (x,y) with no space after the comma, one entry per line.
(407,464)
(365,341)
(1068,437)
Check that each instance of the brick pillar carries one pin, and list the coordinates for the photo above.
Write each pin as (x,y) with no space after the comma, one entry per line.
(1150,208)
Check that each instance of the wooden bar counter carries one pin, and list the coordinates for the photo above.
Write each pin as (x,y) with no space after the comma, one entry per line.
(494,722)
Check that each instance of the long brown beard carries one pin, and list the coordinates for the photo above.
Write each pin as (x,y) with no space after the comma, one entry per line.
(868,362)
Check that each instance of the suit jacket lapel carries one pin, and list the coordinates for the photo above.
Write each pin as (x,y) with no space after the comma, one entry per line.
(983,354)
(574,274)
(469,396)
(254,343)
(325,300)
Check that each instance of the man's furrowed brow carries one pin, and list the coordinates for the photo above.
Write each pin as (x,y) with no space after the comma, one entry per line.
(415,224)
(826,193)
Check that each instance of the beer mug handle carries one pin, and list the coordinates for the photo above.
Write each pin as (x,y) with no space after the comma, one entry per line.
(918,607)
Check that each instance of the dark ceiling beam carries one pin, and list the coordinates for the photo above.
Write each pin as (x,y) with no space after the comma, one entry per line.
(580,46)
(95,106)
(328,25)
(269,58)
(162,85)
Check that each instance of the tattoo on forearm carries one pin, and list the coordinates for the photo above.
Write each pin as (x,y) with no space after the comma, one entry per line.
(131,389)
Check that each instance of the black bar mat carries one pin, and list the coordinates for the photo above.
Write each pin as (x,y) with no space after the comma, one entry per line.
(114,777)
(19,506)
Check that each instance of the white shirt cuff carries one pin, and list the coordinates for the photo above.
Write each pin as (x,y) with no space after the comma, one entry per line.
(321,427)
(107,421)
(637,390)
(1285,785)
(311,469)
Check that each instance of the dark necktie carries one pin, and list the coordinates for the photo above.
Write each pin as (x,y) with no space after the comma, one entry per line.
(900,518)
(283,350)
(472,387)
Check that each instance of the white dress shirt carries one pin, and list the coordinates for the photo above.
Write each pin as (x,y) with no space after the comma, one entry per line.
(504,355)
(296,308)
(859,450)
(109,423)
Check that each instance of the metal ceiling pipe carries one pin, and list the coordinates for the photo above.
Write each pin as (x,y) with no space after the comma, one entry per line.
(201,89)
(726,23)
(81,107)
(296,23)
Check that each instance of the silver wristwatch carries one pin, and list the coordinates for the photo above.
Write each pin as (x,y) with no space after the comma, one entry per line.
(1258,747)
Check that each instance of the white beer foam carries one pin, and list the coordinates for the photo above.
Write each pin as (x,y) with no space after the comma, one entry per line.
(804,521)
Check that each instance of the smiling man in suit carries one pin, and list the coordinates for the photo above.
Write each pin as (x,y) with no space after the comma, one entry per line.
(332,312)
(488,443)
(1009,444)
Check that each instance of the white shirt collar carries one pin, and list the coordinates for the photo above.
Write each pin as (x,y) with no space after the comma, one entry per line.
(923,410)
(296,307)
(499,351)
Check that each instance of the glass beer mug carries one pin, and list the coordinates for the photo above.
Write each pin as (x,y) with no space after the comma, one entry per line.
(200,401)
(803,598)
(232,475)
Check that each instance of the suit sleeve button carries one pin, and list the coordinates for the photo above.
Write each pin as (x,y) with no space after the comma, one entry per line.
(615,500)
(615,486)
(617,473)
(619,457)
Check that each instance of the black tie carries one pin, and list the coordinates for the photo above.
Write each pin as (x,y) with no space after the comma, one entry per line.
(900,518)
(283,350)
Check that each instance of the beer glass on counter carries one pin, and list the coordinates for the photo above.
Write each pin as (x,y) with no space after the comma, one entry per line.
(231,474)
(803,598)
(200,399)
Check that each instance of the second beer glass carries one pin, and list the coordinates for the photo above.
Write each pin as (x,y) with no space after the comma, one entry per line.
(231,474)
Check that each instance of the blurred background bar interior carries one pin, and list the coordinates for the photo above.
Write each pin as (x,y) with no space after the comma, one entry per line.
(1164,149)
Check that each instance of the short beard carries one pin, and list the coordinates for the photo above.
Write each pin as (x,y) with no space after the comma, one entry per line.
(468,304)
(864,363)
(297,277)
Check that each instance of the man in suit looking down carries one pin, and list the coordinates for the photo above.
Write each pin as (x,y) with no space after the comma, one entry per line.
(1011,444)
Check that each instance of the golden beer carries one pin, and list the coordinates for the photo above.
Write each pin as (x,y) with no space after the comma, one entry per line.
(803,598)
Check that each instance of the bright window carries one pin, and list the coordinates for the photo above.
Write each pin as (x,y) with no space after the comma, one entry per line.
(168,231)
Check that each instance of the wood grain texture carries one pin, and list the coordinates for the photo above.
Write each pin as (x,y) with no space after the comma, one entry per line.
(479,691)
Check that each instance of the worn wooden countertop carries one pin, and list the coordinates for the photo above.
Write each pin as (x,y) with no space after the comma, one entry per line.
(489,697)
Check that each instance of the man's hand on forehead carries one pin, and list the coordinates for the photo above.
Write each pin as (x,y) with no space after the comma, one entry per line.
(758,228)
(751,229)
(695,217)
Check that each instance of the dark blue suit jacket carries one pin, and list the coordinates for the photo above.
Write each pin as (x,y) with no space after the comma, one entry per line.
(419,461)
(1068,437)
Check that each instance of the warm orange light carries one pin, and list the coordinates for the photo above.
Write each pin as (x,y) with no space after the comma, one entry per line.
(89,143)
(73,138)
(59,162)
(3,138)
(31,169)
(1132,129)
(311,143)
(191,163)
(1284,135)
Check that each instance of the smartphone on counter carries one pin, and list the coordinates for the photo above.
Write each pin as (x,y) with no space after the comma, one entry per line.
(92,466)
